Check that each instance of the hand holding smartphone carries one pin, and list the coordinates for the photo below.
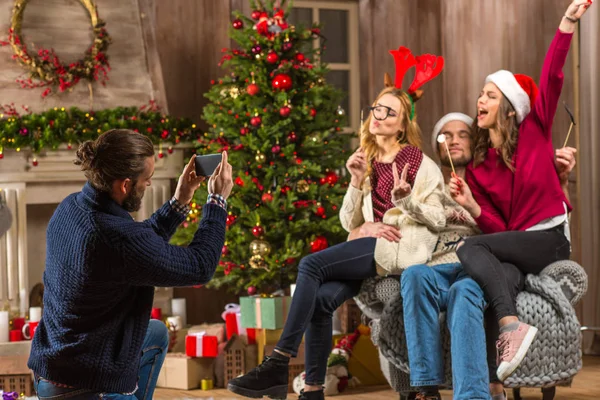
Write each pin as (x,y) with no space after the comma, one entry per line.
(206,165)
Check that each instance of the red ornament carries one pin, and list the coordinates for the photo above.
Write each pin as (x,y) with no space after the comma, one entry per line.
(285,189)
(161,155)
(272,57)
(331,178)
(69,146)
(292,137)
(251,290)
(300,57)
(164,134)
(230,220)
(320,211)
(252,89)
(255,15)
(320,243)
(244,131)
(170,150)
(276,149)
(255,121)
(282,82)
(285,111)
(267,197)
(239,181)
(238,24)
(313,112)
(258,231)
(35,162)
(225,250)
(315,31)
(1,156)
(256,49)
(287,46)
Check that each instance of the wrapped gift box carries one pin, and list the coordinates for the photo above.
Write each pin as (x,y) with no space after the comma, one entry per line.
(264,312)
(201,345)
(364,362)
(182,372)
(350,316)
(217,330)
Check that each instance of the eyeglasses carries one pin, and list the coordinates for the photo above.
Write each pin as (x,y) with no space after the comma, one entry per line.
(381,113)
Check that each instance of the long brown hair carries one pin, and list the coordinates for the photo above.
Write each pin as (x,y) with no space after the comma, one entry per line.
(116,154)
(506,124)
(410,135)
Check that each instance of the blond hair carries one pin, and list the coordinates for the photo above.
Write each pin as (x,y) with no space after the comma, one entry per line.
(409,135)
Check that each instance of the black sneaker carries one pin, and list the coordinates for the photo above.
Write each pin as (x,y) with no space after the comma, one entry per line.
(313,395)
(270,379)
(429,396)
(408,395)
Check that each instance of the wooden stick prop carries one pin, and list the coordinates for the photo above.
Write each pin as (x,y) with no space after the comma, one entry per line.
(442,139)
(572,123)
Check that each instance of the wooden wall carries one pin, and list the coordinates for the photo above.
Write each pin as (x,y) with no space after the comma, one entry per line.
(65,26)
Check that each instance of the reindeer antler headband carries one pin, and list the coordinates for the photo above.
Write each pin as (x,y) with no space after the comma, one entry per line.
(427,66)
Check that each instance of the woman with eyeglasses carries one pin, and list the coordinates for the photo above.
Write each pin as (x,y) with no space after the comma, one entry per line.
(392,210)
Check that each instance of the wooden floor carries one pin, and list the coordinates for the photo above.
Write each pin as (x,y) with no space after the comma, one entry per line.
(586,386)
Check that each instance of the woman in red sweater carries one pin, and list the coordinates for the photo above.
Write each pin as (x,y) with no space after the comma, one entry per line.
(513,191)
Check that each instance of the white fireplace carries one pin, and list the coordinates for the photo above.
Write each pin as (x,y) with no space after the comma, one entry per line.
(33,192)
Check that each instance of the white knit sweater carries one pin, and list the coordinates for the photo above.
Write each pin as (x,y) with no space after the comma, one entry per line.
(420,217)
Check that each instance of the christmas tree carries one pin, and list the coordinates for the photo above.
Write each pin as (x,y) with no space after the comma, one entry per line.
(281,123)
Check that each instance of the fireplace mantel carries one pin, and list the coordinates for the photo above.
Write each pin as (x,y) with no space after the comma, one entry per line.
(53,179)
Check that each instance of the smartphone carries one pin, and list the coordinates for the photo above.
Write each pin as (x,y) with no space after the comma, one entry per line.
(206,165)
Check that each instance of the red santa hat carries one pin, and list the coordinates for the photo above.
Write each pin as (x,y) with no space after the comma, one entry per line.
(520,90)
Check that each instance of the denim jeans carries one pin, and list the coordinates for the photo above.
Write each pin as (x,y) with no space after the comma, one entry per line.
(153,355)
(325,280)
(426,292)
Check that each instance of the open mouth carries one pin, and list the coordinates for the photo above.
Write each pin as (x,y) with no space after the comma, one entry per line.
(481,113)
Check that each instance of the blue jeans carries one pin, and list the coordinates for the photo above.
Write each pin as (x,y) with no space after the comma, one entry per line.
(426,292)
(153,355)
(325,280)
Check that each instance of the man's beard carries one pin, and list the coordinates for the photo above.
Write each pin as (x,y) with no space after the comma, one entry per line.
(133,201)
(460,162)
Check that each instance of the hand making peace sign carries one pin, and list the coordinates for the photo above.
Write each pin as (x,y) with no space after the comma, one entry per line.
(401,186)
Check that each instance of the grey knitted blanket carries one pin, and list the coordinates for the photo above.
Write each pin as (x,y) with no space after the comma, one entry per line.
(554,357)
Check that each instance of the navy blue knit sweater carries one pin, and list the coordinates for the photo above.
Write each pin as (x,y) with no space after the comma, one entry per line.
(101,269)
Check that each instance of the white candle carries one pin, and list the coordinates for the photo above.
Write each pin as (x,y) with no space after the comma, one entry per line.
(35,314)
(292,289)
(22,302)
(178,309)
(3,326)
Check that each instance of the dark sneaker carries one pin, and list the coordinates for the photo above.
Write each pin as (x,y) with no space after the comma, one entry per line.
(270,379)
(423,396)
(408,395)
(313,395)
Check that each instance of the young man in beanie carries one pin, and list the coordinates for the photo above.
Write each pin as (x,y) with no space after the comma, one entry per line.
(95,339)
(442,285)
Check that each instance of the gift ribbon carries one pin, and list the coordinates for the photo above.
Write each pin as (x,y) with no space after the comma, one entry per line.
(10,395)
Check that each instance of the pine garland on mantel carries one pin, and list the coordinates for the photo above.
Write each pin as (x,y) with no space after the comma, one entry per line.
(59,126)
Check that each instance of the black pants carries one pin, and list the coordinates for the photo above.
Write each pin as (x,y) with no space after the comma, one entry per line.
(515,282)
(482,257)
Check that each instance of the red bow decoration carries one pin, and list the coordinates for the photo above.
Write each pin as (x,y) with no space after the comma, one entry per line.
(427,66)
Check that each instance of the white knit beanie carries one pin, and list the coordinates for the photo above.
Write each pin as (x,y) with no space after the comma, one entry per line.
(454,116)
(513,91)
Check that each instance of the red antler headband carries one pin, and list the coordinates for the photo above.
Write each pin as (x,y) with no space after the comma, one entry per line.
(427,67)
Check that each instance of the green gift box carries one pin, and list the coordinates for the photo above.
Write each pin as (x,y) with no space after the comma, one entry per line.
(264,312)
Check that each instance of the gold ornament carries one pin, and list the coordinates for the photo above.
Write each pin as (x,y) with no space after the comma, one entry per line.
(260,157)
(260,247)
(234,92)
(302,186)
(257,262)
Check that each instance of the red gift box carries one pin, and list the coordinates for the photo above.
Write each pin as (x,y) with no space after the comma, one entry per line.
(156,314)
(233,324)
(201,345)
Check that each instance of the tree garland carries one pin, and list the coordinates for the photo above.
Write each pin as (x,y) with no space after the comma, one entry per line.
(52,128)
(46,67)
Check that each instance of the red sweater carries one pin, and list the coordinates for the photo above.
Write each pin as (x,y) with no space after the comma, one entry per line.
(517,201)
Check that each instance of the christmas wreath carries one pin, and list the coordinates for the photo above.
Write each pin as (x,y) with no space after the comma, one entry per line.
(45,66)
